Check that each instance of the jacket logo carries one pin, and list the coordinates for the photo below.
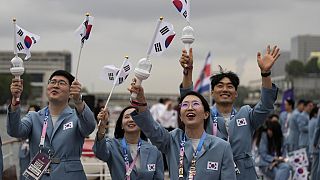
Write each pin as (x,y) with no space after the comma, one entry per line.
(68,125)
(151,167)
(241,122)
(213,166)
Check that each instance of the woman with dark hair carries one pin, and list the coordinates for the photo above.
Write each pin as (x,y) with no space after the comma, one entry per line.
(128,154)
(190,152)
(272,162)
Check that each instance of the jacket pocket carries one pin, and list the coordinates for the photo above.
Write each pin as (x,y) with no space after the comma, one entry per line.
(72,166)
(248,162)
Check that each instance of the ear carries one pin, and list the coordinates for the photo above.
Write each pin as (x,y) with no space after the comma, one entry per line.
(236,94)
(206,115)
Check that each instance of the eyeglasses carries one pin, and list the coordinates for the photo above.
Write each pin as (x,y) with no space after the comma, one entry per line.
(194,104)
(53,82)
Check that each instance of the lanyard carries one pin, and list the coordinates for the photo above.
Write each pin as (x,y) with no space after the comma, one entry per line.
(215,114)
(44,128)
(192,171)
(129,166)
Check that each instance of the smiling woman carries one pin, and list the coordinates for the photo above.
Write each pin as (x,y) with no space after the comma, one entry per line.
(128,154)
(190,152)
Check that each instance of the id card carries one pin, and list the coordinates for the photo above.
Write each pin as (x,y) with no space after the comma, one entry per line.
(37,166)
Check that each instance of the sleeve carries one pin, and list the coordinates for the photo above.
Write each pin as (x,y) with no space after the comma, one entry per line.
(317,133)
(227,168)
(157,134)
(264,107)
(263,149)
(102,149)
(184,91)
(159,174)
(16,127)
(302,123)
(87,121)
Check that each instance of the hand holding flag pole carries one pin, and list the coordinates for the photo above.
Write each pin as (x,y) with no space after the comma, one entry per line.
(17,63)
(84,31)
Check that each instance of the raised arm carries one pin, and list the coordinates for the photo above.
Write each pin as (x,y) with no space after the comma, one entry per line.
(102,146)
(157,134)
(85,115)
(265,64)
(186,62)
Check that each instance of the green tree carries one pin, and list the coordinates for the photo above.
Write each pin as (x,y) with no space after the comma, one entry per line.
(242,95)
(295,68)
(312,66)
(5,81)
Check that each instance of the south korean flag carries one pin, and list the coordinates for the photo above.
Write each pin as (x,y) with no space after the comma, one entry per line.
(110,72)
(151,167)
(212,166)
(163,38)
(241,122)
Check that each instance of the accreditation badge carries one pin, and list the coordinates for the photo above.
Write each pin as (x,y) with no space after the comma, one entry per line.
(37,166)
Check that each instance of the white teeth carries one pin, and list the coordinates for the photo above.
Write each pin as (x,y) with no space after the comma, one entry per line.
(191,115)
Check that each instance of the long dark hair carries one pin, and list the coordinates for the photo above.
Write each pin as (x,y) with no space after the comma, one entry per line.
(119,132)
(205,106)
(276,141)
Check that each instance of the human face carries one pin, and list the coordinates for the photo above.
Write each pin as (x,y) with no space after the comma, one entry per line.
(224,92)
(128,124)
(58,89)
(309,107)
(192,112)
(287,106)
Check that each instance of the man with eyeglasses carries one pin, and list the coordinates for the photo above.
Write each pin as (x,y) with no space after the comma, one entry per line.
(234,126)
(56,132)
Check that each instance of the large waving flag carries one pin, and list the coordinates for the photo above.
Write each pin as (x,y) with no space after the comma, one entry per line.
(163,37)
(203,83)
(85,28)
(183,6)
(110,72)
(24,41)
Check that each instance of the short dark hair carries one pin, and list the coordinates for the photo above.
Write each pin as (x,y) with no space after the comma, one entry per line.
(119,132)
(301,101)
(205,106)
(215,79)
(290,102)
(63,73)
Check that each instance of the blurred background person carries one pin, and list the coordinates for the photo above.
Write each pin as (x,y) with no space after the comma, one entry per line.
(284,118)
(270,149)
(314,152)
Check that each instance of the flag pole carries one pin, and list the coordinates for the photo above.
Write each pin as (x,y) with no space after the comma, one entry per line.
(14,37)
(81,46)
(114,85)
(154,37)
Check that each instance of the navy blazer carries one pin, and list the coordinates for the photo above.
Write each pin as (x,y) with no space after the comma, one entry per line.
(65,139)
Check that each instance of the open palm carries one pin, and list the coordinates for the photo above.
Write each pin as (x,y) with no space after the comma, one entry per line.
(266,62)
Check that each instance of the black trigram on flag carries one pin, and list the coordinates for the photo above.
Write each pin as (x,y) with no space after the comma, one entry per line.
(110,75)
(157,47)
(20,46)
(20,32)
(120,80)
(185,14)
(126,68)
(164,30)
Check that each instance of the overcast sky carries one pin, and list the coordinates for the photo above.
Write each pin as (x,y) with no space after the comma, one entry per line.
(232,30)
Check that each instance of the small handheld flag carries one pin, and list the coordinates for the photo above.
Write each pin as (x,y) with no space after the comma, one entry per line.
(24,40)
(183,7)
(162,38)
(84,32)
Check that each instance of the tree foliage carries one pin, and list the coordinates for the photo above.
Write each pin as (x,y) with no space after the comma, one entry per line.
(295,68)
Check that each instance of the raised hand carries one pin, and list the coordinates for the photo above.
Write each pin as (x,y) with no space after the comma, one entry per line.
(75,91)
(186,61)
(16,89)
(266,62)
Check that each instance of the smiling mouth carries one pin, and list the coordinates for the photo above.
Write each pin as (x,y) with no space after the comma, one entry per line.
(191,115)
(131,125)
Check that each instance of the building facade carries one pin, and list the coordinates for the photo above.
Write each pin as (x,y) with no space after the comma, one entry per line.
(303,45)
(39,68)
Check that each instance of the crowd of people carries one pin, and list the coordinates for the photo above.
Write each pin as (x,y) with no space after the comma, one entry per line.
(192,140)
